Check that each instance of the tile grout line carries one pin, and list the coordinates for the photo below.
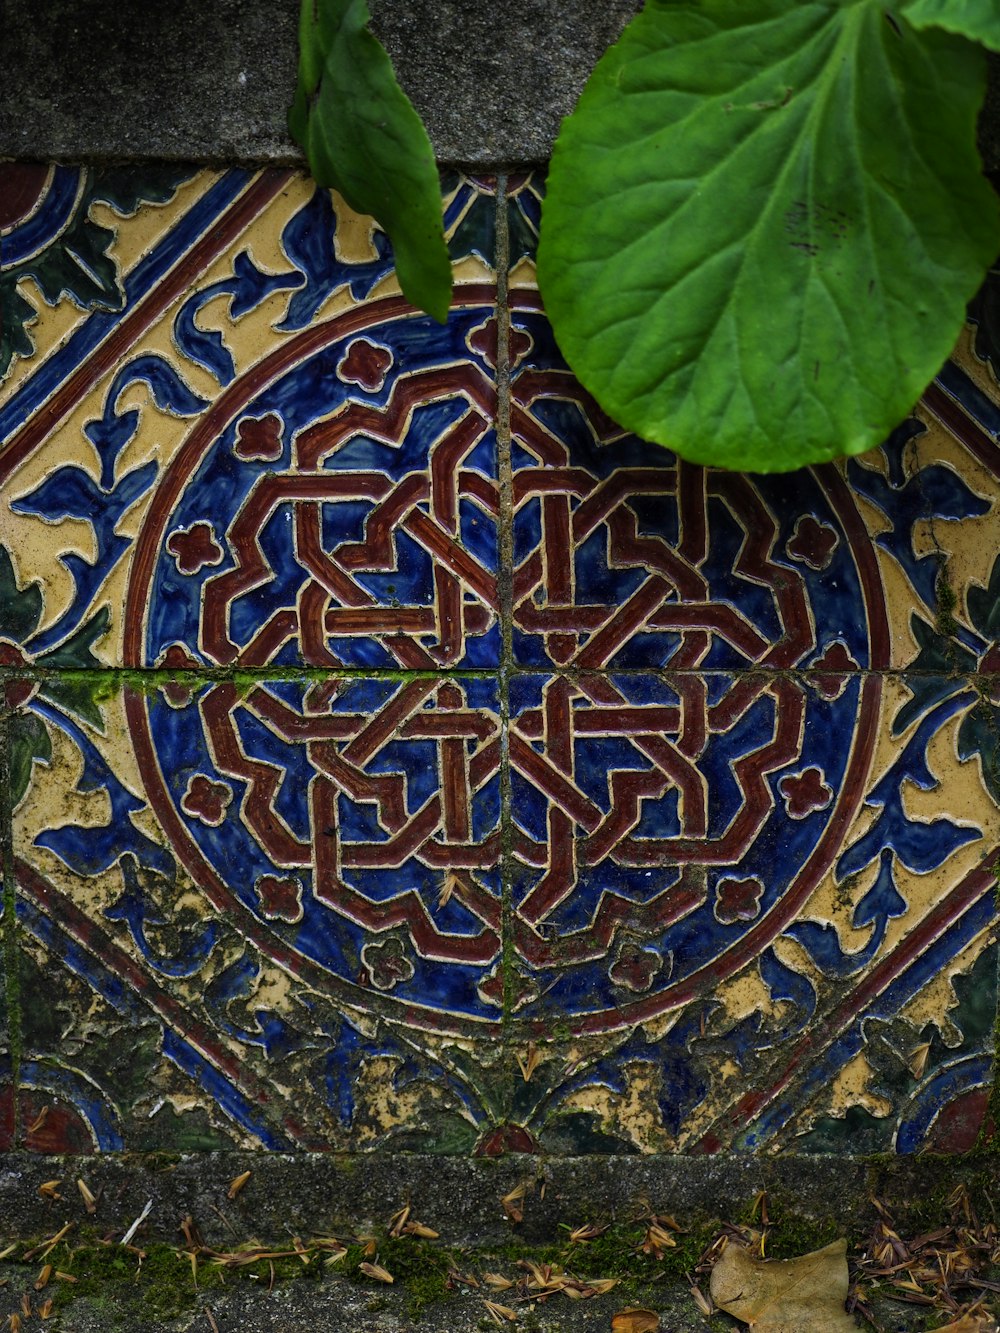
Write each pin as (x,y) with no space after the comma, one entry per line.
(505,594)
(11,952)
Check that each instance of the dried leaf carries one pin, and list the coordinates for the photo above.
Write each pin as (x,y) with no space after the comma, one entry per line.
(785,1295)
(657,1240)
(398,1221)
(39,1120)
(45,1309)
(418,1229)
(237,1184)
(635,1321)
(499,1313)
(529,1061)
(497,1281)
(14,1321)
(377,1271)
(47,1246)
(26,1305)
(451,883)
(703,1303)
(512,1202)
(917,1059)
(49,1189)
(600,1286)
(89,1200)
(580,1235)
(42,1280)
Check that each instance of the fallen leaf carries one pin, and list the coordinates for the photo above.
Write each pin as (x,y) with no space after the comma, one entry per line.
(917,1059)
(451,883)
(497,1281)
(784,1295)
(591,1286)
(49,1189)
(704,1305)
(512,1202)
(498,1313)
(39,1121)
(377,1271)
(419,1229)
(588,1231)
(237,1183)
(529,1061)
(89,1201)
(42,1280)
(635,1321)
(45,1309)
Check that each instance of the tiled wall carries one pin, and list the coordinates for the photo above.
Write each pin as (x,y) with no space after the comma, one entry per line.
(400,757)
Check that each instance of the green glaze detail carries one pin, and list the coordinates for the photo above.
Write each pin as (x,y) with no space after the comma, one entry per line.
(78,264)
(763,224)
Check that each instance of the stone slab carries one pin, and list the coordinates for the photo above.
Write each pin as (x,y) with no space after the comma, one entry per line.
(323,1194)
(87,80)
(212,82)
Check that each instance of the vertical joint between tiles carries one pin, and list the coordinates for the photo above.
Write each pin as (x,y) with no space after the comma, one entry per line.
(505,577)
(10,926)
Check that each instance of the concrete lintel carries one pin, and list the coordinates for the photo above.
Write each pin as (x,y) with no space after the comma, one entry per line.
(308,1193)
(210,80)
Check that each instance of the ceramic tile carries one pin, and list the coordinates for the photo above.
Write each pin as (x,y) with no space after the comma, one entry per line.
(256,353)
(739,917)
(628,557)
(332,878)
(677,832)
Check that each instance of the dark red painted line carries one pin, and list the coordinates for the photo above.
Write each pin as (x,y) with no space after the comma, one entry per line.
(935,923)
(67,916)
(954,418)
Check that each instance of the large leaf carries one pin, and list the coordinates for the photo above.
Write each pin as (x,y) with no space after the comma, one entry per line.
(763,223)
(978,20)
(785,1295)
(362,136)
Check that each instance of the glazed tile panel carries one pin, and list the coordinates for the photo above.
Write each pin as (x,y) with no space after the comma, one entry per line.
(399,756)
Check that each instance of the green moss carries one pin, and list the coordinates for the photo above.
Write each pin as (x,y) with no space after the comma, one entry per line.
(944,620)
(162,1284)
(787,1239)
(422,1268)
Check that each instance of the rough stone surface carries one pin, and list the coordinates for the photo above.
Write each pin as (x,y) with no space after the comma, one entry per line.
(211,82)
(460,1197)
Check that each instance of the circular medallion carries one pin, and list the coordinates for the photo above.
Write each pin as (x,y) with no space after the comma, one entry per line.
(689,732)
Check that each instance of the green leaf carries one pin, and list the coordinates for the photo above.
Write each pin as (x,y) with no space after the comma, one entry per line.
(979,20)
(984,605)
(77,650)
(29,741)
(763,223)
(362,136)
(980,734)
(20,608)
